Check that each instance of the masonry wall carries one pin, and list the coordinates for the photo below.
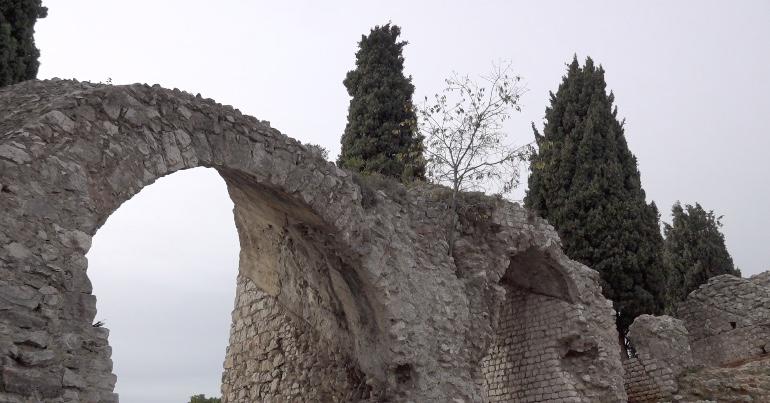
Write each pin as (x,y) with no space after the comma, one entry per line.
(524,363)
(728,320)
(366,267)
(647,379)
(275,356)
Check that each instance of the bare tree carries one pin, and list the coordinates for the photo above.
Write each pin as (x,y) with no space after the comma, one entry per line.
(464,136)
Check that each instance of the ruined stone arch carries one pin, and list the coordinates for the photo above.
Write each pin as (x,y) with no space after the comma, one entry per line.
(83,150)
(338,279)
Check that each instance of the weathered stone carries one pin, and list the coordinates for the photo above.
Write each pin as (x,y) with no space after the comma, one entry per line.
(345,292)
(35,358)
(716,352)
(14,154)
(17,251)
(30,382)
(664,338)
(71,379)
(60,120)
(38,338)
(728,319)
(20,295)
(74,239)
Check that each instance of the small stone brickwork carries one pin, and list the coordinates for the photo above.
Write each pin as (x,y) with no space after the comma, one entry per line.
(728,319)
(662,354)
(647,379)
(275,356)
(531,359)
(524,363)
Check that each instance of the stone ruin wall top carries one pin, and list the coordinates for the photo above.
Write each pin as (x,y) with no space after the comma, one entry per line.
(415,320)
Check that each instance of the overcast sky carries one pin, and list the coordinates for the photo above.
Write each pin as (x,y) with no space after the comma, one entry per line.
(691,78)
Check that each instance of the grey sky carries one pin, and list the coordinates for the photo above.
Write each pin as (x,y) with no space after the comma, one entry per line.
(690,77)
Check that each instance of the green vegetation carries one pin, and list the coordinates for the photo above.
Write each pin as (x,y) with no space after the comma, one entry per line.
(463,130)
(381,135)
(694,250)
(18,54)
(585,181)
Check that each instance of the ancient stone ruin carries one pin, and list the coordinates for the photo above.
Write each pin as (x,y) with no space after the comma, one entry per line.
(717,349)
(345,292)
(728,319)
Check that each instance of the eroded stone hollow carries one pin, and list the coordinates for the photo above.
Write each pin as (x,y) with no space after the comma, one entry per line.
(539,352)
(346,291)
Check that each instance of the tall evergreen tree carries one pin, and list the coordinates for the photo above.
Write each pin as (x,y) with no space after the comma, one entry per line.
(381,134)
(694,250)
(18,54)
(585,181)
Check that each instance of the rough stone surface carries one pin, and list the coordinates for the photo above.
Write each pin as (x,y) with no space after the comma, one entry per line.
(648,379)
(662,337)
(728,319)
(275,356)
(350,282)
(662,353)
(717,352)
(539,355)
(744,382)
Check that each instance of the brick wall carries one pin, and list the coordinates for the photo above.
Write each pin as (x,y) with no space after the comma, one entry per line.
(524,362)
(275,356)
(647,379)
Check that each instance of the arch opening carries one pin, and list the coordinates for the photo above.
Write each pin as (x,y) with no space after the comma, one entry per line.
(298,304)
(86,149)
(163,269)
(295,303)
(534,350)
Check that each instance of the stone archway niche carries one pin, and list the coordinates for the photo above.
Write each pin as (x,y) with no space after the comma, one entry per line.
(539,353)
(338,298)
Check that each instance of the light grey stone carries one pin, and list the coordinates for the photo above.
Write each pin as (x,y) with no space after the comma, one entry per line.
(36,358)
(665,338)
(71,379)
(339,299)
(14,154)
(17,251)
(60,120)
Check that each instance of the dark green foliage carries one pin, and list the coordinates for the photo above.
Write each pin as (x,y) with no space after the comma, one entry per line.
(18,54)
(381,133)
(694,250)
(204,399)
(585,181)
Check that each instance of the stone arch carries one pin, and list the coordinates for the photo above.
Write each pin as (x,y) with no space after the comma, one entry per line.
(326,259)
(81,150)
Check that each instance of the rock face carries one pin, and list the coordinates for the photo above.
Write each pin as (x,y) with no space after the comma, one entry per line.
(346,291)
(728,319)
(745,382)
(717,351)
(664,338)
(662,354)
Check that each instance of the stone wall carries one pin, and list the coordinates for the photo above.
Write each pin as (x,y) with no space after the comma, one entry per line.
(360,271)
(648,379)
(275,356)
(662,354)
(728,319)
(524,363)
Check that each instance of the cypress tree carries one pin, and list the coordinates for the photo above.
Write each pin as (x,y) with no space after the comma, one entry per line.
(585,181)
(381,134)
(18,54)
(694,250)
